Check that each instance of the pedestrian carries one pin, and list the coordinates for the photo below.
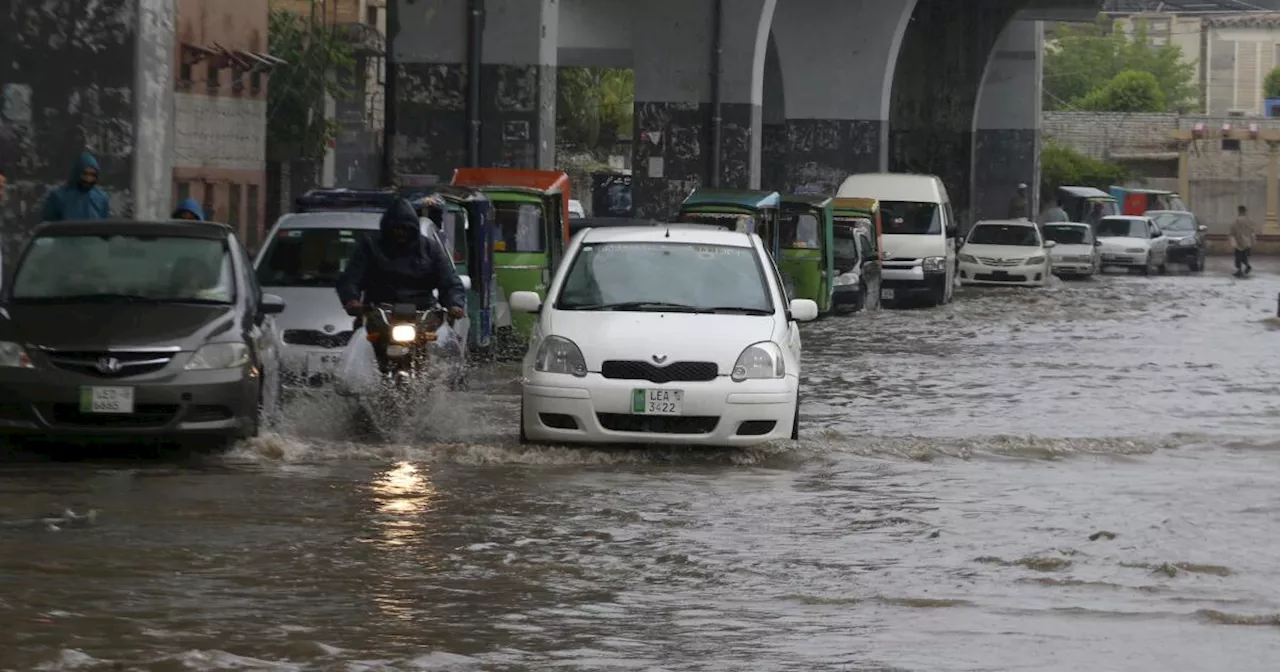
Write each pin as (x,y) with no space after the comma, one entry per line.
(1054,213)
(80,197)
(1243,235)
(1019,208)
(189,209)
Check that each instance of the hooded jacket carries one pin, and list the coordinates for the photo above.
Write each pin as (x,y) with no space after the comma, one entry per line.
(69,202)
(384,271)
(190,206)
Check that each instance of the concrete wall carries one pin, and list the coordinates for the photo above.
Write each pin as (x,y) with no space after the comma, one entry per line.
(1006,124)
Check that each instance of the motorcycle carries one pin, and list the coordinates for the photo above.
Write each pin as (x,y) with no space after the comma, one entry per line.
(407,335)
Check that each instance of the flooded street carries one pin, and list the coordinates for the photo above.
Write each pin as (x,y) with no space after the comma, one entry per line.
(1085,477)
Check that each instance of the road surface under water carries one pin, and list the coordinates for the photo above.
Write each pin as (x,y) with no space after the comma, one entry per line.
(1085,477)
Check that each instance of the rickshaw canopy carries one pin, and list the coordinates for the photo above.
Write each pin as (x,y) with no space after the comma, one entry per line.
(746,199)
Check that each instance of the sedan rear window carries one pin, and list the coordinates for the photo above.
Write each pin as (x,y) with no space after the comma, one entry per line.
(666,276)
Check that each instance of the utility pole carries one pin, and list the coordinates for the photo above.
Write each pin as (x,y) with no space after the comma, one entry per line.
(389,94)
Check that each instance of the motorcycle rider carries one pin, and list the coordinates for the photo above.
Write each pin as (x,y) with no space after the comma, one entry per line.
(400,266)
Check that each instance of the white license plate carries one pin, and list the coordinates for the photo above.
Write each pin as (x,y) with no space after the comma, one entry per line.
(106,400)
(886,294)
(657,402)
(323,362)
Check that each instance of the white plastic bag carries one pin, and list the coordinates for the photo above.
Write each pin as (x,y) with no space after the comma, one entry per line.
(359,371)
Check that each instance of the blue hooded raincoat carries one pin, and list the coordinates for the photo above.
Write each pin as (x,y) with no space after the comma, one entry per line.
(190,206)
(70,202)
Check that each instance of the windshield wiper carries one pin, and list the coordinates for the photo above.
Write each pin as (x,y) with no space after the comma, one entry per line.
(636,305)
(739,310)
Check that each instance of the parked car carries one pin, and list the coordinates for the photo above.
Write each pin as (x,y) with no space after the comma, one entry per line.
(1133,241)
(1186,236)
(673,334)
(137,329)
(1005,252)
(857,264)
(1075,252)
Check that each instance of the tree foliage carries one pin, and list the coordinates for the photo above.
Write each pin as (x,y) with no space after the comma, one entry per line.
(319,61)
(1081,60)
(1063,166)
(595,106)
(1271,85)
(1129,91)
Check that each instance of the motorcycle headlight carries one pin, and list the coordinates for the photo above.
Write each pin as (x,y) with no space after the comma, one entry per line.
(934,264)
(761,360)
(403,333)
(14,356)
(1033,261)
(219,356)
(847,279)
(560,355)
(968,259)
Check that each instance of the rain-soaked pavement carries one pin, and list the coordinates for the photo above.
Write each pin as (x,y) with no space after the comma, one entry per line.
(1080,478)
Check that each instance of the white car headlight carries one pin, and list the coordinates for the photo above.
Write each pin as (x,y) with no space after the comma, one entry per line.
(219,356)
(847,279)
(14,356)
(934,264)
(968,259)
(761,360)
(560,355)
(403,333)
(1034,261)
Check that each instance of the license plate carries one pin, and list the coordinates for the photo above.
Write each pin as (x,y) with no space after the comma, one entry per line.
(397,351)
(886,294)
(106,400)
(323,362)
(657,402)
(1000,274)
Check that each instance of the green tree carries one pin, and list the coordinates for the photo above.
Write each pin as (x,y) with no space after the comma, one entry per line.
(595,106)
(1271,85)
(1063,166)
(1129,91)
(1080,60)
(318,63)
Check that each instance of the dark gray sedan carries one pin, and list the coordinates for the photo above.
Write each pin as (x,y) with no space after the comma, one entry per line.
(1186,236)
(133,329)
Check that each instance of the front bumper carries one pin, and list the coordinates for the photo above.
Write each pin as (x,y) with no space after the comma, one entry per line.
(907,282)
(846,295)
(1181,255)
(187,403)
(1136,259)
(1072,267)
(597,410)
(981,274)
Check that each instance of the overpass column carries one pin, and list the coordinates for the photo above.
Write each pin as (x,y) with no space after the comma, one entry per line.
(674,110)
(1006,137)
(837,60)
(517,80)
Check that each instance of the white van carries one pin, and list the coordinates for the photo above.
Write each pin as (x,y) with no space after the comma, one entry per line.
(919,230)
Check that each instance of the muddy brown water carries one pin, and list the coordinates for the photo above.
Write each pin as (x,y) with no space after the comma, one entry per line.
(1085,477)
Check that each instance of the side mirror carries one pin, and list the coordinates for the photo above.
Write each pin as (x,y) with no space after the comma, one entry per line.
(271,305)
(953,231)
(804,310)
(1049,244)
(525,302)
(1202,228)
(1097,243)
(466,282)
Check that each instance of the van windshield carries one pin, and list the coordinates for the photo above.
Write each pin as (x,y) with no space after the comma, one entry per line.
(910,218)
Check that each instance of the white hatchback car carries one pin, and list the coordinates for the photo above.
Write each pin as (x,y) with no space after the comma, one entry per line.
(1133,242)
(678,334)
(1005,253)
(1076,252)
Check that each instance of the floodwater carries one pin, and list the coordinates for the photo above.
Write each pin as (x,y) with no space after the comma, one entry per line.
(1085,477)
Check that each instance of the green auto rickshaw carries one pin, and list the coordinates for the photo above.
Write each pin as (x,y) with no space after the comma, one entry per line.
(737,210)
(806,232)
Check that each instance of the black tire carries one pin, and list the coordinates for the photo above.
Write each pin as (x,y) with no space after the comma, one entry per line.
(524,438)
(1196,264)
(795,422)
(1146,266)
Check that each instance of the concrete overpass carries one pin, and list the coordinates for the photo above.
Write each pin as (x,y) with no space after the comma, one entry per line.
(799,94)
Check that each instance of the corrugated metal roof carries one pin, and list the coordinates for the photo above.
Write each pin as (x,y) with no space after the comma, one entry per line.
(1132,6)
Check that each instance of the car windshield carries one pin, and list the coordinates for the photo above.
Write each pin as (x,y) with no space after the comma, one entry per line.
(172,269)
(905,217)
(1175,221)
(1004,234)
(800,230)
(1067,235)
(1122,228)
(845,245)
(308,257)
(519,227)
(666,277)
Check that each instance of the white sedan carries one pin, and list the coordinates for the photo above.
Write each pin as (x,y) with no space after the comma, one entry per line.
(1133,242)
(676,334)
(1005,253)
(1075,252)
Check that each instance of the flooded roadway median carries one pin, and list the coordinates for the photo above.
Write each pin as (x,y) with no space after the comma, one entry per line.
(1081,477)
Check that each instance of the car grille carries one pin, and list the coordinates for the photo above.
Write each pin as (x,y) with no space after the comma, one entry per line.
(144,415)
(317,339)
(987,261)
(991,277)
(100,363)
(658,424)
(1073,260)
(684,372)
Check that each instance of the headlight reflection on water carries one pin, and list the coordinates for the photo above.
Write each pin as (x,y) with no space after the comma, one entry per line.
(402,495)
(403,498)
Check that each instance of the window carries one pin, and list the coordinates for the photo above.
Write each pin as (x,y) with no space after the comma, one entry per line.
(207,202)
(665,276)
(1175,221)
(846,245)
(233,209)
(152,268)
(309,257)
(211,76)
(184,191)
(253,233)
(519,227)
(1118,227)
(909,218)
(800,231)
(1067,235)
(1001,234)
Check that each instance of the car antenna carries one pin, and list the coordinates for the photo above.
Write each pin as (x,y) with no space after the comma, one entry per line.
(668,232)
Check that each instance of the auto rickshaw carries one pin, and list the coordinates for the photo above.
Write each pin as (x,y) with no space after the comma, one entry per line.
(1138,201)
(1087,205)
(531,227)
(737,210)
(466,220)
(806,235)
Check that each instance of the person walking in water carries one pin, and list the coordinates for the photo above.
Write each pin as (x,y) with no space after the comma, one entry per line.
(1243,236)
(1019,208)
(80,197)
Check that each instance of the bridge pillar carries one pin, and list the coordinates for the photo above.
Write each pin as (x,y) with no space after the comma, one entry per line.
(837,60)
(672,46)
(517,79)
(1006,135)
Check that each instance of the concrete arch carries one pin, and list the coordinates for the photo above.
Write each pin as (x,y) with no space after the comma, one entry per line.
(1006,122)
(773,122)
